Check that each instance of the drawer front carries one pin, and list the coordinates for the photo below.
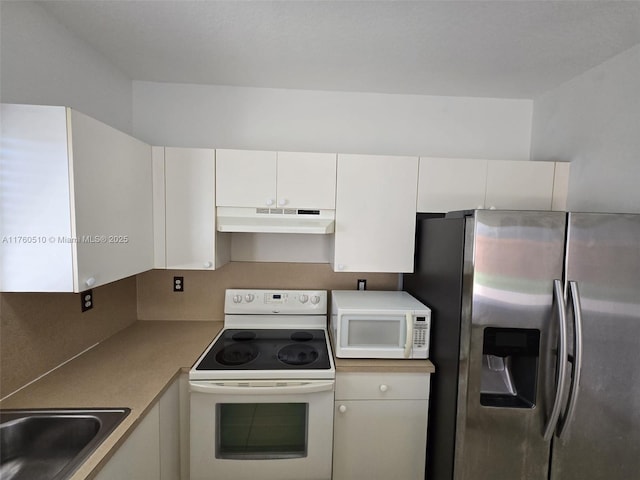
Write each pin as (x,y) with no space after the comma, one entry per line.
(381,386)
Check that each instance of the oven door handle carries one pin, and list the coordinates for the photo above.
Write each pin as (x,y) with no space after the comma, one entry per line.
(261,387)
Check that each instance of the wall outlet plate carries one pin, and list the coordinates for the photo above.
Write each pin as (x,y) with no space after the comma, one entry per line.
(86,298)
(178,284)
(362,284)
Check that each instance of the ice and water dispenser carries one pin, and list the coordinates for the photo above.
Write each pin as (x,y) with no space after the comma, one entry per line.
(510,358)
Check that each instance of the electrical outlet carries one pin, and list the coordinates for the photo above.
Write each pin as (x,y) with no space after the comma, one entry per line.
(178,284)
(87,300)
(362,284)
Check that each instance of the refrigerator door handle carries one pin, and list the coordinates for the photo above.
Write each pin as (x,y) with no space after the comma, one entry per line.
(577,358)
(562,361)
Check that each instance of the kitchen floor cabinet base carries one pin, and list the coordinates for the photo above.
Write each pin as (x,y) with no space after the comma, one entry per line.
(380,426)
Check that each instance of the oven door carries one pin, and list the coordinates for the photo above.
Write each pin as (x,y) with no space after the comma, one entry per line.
(276,430)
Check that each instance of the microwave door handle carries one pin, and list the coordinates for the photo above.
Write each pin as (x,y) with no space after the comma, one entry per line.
(255,388)
(409,342)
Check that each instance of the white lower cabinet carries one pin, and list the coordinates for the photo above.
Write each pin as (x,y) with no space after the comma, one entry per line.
(380,426)
(139,455)
(152,451)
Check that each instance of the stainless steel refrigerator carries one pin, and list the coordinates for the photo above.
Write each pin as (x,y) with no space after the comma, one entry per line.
(536,344)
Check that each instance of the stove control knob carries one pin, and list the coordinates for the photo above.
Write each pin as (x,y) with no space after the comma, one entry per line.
(249,297)
(304,298)
(237,298)
(315,299)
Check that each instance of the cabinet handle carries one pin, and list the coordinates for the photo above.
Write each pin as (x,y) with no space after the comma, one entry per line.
(269,202)
(90,282)
(283,202)
(384,388)
(340,266)
(207,264)
(342,408)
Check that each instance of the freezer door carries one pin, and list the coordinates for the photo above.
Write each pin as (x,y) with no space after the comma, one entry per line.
(511,261)
(602,440)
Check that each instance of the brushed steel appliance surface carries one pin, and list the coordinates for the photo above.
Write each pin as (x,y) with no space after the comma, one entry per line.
(535,327)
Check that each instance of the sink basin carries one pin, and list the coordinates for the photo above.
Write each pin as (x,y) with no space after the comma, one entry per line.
(51,444)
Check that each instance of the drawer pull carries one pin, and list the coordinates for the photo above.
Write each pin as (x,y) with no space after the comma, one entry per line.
(384,388)
(342,408)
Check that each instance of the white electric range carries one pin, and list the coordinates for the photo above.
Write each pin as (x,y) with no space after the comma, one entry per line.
(262,392)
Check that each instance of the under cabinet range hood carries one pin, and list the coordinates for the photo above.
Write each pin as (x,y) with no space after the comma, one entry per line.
(275,220)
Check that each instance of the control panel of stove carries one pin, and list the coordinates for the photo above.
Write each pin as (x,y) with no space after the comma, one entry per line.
(291,302)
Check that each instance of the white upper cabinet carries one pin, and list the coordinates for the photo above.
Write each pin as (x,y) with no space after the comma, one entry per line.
(245,178)
(519,185)
(449,184)
(260,179)
(375,213)
(306,180)
(76,203)
(560,186)
(189,239)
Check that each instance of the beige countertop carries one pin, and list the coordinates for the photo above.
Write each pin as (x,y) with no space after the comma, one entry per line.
(383,365)
(131,369)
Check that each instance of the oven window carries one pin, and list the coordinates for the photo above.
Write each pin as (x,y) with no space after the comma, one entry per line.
(261,430)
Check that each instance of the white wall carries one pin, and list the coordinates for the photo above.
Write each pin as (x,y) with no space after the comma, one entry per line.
(41,62)
(593,121)
(302,120)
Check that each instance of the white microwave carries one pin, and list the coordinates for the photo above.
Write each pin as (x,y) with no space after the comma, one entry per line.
(377,324)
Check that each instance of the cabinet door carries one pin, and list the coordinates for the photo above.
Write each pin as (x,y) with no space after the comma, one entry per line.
(375,213)
(306,180)
(379,439)
(245,178)
(159,208)
(169,417)
(112,192)
(560,186)
(35,200)
(79,192)
(449,184)
(190,208)
(139,456)
(519,185)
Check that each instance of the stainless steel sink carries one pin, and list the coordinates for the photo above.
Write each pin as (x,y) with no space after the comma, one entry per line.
(51,444)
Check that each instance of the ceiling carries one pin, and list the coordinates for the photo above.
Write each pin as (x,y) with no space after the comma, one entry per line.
(505,49)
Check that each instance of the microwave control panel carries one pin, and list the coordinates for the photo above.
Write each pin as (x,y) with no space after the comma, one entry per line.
(421,336)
